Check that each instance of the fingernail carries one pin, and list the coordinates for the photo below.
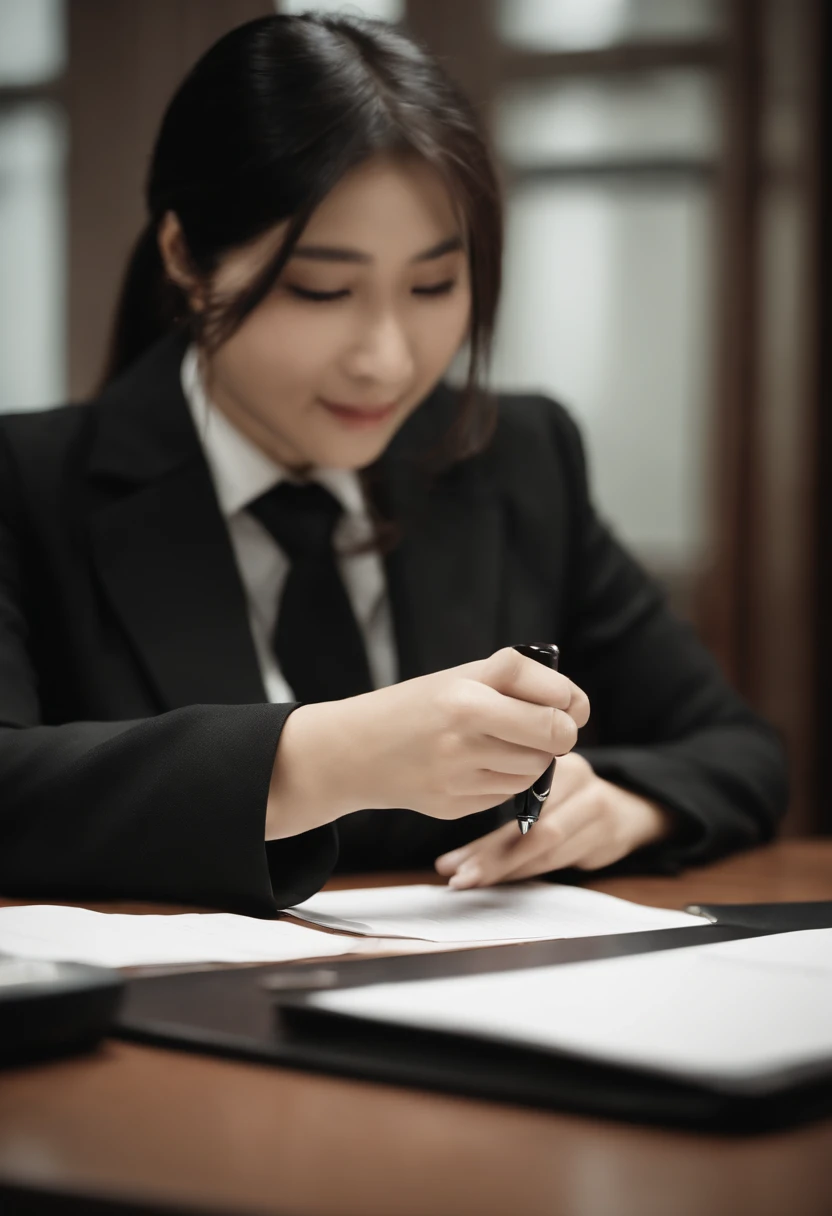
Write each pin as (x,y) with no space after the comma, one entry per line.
(467,875)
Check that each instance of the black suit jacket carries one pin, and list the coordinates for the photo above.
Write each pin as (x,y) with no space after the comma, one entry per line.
(136,743)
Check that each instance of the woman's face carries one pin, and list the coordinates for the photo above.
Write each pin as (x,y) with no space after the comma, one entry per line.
(369,312)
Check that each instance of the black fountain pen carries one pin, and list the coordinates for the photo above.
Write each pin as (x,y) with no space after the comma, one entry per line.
(527,804)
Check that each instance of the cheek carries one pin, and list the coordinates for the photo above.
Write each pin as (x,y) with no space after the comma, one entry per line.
(441,331)
(279,352)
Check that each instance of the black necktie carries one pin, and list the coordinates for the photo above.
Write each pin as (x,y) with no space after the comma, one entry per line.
(316,639)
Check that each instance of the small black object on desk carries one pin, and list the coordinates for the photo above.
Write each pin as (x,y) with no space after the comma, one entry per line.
(48,1008)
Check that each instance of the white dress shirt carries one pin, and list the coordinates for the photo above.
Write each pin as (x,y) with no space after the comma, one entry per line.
(241,472)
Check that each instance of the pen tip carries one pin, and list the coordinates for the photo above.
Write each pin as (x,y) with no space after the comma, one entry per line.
(524,825)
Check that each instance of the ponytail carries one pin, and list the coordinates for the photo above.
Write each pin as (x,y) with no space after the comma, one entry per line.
(148,305)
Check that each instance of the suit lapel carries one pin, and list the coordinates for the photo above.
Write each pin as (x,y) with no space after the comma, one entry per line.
(160,544)
(164,558)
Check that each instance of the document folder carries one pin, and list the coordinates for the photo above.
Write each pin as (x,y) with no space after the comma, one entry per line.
(262,1013)
(769,918)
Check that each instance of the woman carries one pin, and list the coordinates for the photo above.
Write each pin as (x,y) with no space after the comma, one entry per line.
(275,500)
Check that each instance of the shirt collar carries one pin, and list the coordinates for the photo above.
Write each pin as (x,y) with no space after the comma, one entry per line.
(241,471)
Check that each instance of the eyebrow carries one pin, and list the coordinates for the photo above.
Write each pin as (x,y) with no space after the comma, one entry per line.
(332,253)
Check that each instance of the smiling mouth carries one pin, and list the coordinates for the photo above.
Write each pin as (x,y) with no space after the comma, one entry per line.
(359,415)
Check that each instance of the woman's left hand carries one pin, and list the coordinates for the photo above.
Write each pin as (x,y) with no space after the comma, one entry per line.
(585,822)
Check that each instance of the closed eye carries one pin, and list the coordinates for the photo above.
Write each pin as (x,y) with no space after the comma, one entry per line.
(436,289)
(305,293)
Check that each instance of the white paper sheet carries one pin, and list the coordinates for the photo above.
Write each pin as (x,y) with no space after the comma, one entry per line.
(114,939)
(807,949)
(520,912)
(684,1012)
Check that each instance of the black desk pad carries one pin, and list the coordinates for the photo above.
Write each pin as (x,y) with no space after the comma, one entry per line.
(232,1012)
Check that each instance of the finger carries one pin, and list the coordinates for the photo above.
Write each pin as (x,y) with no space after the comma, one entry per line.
(572,852)
(502,757)
(507,853)
(459,806)
(493,842)
(517,675)
(484,782)
(579,707)
(598,858)
(525,723)
(571,774)
(560,849)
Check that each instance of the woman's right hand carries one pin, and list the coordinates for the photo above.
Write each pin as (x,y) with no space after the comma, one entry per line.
(447,744)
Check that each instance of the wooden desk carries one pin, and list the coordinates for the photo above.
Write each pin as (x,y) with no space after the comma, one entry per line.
(219,1136)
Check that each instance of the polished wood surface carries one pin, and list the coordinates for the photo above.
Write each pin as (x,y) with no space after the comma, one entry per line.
(219,1136)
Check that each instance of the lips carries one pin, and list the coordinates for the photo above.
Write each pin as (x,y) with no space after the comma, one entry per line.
(359,415)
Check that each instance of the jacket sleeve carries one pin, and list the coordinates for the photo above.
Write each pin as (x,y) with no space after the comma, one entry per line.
(664,722)
(170,808)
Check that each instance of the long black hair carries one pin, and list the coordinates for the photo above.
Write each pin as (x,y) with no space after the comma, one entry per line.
(261,129)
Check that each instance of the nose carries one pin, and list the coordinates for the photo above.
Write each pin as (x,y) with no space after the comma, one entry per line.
(383,353)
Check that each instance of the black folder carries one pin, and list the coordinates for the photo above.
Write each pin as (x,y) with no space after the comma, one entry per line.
(769,918)
(261,1013)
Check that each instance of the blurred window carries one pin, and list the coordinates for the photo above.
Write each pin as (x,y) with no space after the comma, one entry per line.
(32,41)
(667,114)
(582,25)
(32,205)
(609,275)
(605,307)
(32,254)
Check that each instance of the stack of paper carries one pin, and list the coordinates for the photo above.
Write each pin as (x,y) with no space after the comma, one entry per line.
(113,939)
(385,918)
(519,912)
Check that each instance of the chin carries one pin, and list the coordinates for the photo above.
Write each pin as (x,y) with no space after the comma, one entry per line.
(352,456)
(349,464)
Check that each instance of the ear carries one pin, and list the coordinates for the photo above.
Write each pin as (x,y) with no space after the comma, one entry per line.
(176,259)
